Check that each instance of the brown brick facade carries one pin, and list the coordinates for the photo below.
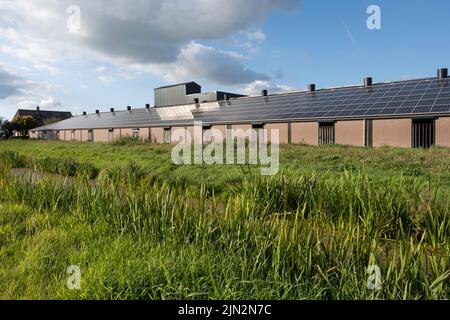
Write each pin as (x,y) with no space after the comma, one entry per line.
(443,132)
(392,133)
(305,133)
(350,133)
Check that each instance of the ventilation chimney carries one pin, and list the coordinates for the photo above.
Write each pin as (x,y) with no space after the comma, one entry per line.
(264,93)
(368,81)
(147,106)
(197,101)
(226,97)
(112,110)
(97,111)
(443,73)
(37,108)
(311,87)
(129,108)
(84,113)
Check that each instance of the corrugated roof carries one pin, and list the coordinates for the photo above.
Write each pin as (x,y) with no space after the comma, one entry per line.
(392,99)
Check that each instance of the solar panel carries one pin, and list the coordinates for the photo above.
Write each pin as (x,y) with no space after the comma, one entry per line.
(398,98)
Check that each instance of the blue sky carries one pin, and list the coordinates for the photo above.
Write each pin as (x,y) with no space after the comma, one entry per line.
(122,51)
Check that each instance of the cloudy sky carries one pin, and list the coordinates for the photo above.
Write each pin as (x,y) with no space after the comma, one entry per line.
(82,55)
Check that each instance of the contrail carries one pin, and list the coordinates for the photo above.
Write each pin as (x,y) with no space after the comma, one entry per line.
(350,35)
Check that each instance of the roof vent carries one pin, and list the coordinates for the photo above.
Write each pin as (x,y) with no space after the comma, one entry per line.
(197,101)
(368,81)
(37,108)
(84,113)
(443,73)
(129,108)
(112,110)
(264,93)
(97,111)
(311,87)
(147,106)
(226,97)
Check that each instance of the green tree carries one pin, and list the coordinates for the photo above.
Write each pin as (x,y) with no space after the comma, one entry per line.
(23,124)
(6,129)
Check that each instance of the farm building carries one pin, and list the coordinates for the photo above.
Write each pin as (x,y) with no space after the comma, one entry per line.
(409,113)
(42,117)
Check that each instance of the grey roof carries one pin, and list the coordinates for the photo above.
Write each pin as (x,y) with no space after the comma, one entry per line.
(385,100)
(43,116)
(178,84)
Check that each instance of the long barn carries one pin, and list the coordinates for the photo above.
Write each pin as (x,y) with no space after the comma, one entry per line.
(409,113)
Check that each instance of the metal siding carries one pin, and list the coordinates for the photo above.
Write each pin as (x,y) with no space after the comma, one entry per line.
(443,132)
(350,133)
(392,132)
(171,96)
(305,133)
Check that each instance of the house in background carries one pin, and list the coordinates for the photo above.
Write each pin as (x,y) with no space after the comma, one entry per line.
(41,117)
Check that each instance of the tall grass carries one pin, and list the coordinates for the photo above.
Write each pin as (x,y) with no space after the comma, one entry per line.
(285,237)
(64,166)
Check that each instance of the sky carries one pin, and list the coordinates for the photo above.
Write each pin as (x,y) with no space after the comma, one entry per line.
(83,55)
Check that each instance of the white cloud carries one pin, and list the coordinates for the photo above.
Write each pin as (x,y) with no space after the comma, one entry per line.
(256,87)
(157,34)
(197,61)
(24,93)
(257,35)
(105,79)
(100,69)
(49,103)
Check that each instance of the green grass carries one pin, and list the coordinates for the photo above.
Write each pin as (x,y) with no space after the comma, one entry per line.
(149,230)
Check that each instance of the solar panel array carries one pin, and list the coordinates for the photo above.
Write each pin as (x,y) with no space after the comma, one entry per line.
(405,98)
(381,100)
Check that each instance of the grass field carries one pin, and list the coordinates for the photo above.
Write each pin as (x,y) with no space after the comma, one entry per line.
(147,229)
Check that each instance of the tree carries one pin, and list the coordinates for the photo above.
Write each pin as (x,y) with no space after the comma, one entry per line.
(6,130)
(23,124)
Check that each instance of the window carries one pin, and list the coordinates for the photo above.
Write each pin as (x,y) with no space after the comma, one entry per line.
(135,133)
(72,135)
(326,133)
(368,138)
(423,133)
(167,135)
(90,135)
